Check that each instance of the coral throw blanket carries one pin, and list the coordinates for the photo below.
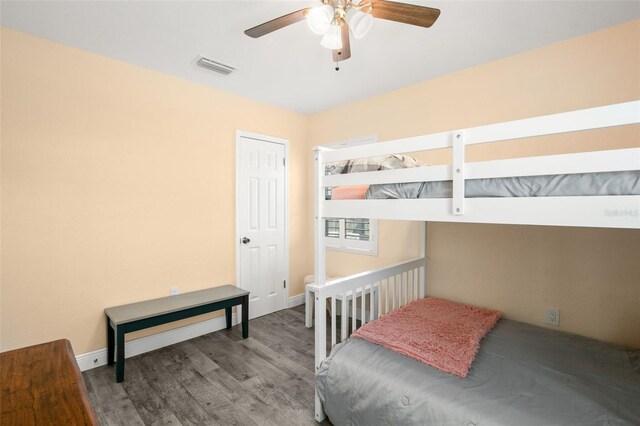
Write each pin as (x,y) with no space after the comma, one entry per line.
(443,334)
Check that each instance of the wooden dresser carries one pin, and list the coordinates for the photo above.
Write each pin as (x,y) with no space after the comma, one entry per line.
(42,385)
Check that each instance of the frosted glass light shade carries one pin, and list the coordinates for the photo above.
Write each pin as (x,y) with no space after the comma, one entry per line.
(360,23)
(333,38)
(319,19)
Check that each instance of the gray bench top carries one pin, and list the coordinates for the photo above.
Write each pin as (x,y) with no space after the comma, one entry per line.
(164,305)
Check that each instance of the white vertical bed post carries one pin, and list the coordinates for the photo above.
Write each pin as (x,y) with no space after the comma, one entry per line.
(422,279)
(319,271)
(458,173)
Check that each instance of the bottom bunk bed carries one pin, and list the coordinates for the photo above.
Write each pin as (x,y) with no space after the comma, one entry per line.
(400,358)
(522,375)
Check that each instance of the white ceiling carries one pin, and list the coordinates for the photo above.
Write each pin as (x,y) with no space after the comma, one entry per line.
(289,68)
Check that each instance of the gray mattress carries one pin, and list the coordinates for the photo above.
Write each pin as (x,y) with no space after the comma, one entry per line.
(522,375)
(581,184)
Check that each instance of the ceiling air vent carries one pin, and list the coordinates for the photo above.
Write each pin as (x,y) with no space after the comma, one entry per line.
(215,66)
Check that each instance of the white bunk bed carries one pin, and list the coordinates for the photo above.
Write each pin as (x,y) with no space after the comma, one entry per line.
(387,288)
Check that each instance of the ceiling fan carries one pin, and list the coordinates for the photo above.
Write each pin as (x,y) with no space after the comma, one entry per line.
(334,18)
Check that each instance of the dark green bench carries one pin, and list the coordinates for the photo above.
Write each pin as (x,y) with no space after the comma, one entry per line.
(137,316)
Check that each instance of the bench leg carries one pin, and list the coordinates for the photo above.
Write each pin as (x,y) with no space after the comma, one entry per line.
(245,317)
(227,313)
(308,309)
(111,341)
(120,358)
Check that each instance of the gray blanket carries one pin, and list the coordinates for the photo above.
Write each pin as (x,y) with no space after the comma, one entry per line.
(607,183)
(522,375)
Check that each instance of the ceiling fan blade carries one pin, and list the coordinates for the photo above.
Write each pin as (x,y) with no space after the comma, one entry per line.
(345,51)
(406,13)
(277,23)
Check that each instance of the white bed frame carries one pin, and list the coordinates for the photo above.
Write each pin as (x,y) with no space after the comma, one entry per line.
(396,285)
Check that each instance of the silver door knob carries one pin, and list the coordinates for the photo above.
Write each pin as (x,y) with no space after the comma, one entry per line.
(245,240)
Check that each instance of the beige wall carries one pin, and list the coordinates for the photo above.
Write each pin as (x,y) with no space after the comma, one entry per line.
(592,275)
(111,187)
(117,184)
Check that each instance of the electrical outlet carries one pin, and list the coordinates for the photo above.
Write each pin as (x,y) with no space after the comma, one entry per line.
(174,290)
(552,316)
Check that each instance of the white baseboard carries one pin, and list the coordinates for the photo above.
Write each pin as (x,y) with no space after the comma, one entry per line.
(296,300)
(139,346)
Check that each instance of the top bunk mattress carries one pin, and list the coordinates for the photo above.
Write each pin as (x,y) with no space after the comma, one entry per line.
(562,185)
(579,184)
(522,375)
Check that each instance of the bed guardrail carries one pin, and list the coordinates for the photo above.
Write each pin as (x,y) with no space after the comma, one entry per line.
(458,170)
(585,119)
(377,292)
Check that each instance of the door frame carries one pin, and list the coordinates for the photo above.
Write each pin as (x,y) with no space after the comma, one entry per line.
(270,139)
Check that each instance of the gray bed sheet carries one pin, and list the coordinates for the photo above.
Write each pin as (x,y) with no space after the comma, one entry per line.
(580,184)
(523,375)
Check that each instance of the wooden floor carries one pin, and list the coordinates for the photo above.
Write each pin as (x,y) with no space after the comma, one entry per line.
(216,379)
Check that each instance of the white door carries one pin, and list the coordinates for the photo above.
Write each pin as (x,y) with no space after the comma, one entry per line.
(261,222)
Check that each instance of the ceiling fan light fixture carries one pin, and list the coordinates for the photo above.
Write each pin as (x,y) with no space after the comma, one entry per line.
(319,19)
(360,23)
(330,21)
(333,38)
